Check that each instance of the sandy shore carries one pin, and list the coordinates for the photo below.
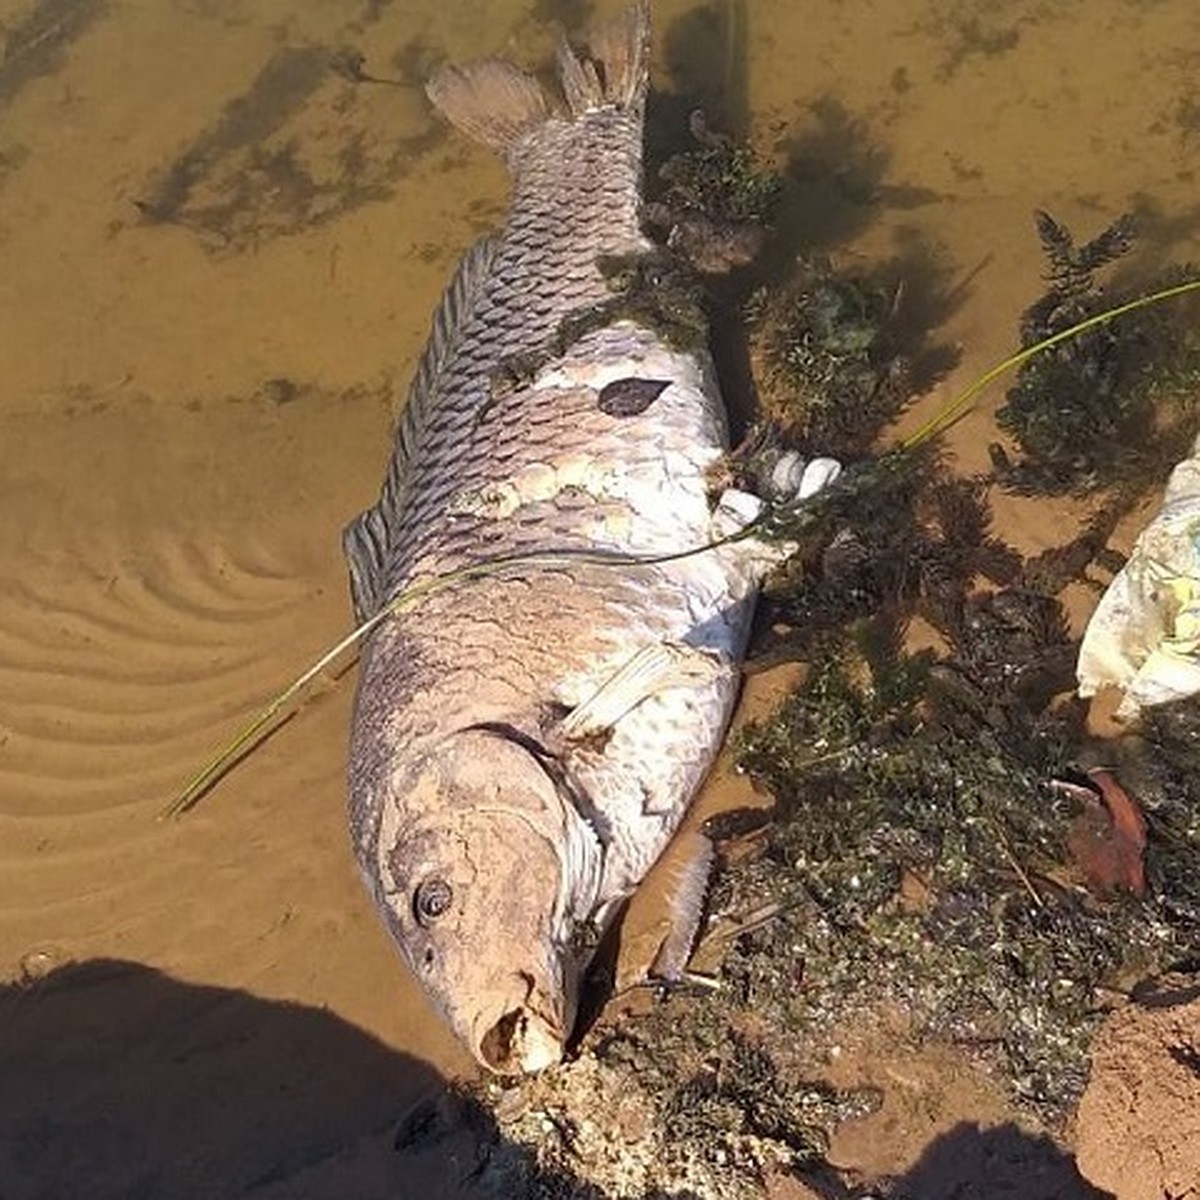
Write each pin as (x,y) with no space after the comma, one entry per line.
(219,253)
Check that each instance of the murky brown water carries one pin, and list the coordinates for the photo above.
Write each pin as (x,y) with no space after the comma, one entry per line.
(218,253)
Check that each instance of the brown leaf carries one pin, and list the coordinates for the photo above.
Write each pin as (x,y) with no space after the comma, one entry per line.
(1108,839)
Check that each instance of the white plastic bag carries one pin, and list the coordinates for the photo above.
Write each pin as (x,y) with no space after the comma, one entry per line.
(1144,636)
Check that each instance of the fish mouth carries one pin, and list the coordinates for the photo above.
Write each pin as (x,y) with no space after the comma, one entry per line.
(521,1041)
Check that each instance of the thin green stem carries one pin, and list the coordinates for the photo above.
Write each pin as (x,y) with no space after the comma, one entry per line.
(942,420)
(253,732)
(261,724)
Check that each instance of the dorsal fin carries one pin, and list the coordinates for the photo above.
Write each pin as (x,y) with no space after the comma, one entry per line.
(365,540)
(452,312)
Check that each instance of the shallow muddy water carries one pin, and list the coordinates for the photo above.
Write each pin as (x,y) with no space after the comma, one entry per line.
(223,226)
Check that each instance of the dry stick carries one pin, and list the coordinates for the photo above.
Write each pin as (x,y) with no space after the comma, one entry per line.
(1016,866)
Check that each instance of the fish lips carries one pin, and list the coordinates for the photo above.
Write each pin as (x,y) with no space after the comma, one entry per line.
(525,1034)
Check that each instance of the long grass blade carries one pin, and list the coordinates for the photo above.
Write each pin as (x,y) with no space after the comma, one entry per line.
(267,719)
(260,725)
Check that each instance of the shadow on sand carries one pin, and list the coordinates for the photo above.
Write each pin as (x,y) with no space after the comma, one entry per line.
(121,1082)
(969,1162)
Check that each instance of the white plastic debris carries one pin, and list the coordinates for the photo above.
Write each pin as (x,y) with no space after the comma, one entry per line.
(792,478)
(818,474)
(1144,636)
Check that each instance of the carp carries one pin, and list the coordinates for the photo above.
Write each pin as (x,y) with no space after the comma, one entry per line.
(528,736)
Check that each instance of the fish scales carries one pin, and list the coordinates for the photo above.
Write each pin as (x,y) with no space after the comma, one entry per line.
(538,278)
(526,742)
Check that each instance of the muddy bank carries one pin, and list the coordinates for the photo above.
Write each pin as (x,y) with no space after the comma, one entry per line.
(222,238)
(1137,1134)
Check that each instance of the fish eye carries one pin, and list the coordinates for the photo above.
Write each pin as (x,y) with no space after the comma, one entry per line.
(431,900)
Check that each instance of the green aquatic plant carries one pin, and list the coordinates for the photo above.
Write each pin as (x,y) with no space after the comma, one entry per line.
(832,378)
(896,535)
(1097,407)
(721,178)
(722,1093)
(918,857)
(945,418)
(713,203)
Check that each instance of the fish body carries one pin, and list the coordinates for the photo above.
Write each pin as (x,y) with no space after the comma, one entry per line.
(528,737)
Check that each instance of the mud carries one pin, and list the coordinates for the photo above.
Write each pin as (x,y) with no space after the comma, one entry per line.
(1138,1132)
(223,227)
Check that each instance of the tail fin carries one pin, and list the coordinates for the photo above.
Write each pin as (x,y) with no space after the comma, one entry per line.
(497,104)
(490,101)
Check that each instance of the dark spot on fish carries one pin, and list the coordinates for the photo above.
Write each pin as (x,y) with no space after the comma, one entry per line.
(594,741)
(431,900)
(629,397)
(572,499)
(552,713)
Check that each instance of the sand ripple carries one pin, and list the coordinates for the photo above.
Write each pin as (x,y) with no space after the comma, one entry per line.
(114,673)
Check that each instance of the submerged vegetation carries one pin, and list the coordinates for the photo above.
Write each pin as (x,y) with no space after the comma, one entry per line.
(833,377)
(1117,402)
(944,842)
(921,855)
(939,841)
(676,1105)
(713,202)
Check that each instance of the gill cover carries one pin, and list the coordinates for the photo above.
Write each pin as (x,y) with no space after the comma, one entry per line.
(486,870)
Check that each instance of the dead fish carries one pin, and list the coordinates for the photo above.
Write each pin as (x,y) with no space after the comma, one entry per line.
(526,741)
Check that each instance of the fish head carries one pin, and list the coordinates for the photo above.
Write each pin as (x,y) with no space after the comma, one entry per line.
(484,869)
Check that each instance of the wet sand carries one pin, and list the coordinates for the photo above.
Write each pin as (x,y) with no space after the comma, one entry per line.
(219,254)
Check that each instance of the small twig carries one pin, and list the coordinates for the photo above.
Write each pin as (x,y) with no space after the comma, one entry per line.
(1016,866)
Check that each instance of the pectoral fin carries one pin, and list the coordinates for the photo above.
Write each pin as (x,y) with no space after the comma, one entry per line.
(651,670)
